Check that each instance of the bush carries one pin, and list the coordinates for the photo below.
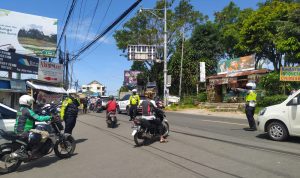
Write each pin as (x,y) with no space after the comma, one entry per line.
(202,97)
(271,100)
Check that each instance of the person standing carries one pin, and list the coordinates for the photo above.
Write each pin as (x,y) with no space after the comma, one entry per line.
(134,101)
(250,104)
(69,112)
(85,105)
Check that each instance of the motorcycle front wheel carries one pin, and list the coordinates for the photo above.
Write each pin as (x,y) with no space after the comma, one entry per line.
(64,148)
(139,139)
(8,164)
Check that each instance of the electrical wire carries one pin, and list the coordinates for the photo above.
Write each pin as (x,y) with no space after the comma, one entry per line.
(78,24)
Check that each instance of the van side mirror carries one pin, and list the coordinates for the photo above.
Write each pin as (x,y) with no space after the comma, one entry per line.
(295,101)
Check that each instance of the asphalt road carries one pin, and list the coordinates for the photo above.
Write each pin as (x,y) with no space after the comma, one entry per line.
(199,146)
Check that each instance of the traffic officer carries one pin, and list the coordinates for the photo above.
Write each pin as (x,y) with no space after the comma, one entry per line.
(250,104)
(69,111)
(134,101)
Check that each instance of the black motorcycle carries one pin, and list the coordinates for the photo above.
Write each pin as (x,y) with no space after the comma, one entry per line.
(51,138)
(111,120)
(143,134)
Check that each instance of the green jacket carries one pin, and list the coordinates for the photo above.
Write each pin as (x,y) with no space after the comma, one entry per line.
(26,119)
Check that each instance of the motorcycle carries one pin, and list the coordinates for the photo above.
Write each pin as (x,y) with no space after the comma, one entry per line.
(111,120)
(52,138)
(98,108)
(142,134)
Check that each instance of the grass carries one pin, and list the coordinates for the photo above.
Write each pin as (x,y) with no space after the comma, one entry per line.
(180,107)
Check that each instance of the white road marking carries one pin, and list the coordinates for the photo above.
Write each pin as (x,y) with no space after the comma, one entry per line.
(222,122)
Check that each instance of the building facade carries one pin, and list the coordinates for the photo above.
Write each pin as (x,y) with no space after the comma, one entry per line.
(94,87)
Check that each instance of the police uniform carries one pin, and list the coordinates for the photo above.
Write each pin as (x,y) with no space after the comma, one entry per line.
(134,102)
(69,112)
(250,108)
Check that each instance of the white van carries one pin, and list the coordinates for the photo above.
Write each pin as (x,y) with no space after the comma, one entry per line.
(282,120)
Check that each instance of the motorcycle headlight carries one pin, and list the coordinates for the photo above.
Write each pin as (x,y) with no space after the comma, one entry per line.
(262,111)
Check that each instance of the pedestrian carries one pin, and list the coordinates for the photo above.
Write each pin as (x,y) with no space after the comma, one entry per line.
(85,105)
(250,104)
(134,101)
(69,111)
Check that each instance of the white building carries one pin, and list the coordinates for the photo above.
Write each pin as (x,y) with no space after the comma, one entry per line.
(94,87)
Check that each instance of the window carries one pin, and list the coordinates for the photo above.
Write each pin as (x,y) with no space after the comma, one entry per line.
(126,97)
(98,88)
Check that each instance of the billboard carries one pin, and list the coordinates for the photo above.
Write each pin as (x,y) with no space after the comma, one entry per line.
(18,63)
(202,72)
(142,52)
(290,73)
(130,77)
(50,72)
(28,34)
(236,65)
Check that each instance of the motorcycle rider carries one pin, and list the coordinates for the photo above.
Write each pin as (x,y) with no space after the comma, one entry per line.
(25,121)
(134,101)
(111,106)
(147,115)
(250,104)
(69,111)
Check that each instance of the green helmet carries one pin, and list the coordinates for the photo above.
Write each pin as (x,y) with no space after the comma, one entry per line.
(111,97)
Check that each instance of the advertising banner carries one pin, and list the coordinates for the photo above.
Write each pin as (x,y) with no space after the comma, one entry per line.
(18,63)
(28,34)
(202,72)
(130,77)
(47,98)
(50,72)
(290,74)
(236,65)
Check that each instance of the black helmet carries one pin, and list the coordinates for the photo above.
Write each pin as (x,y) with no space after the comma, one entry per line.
(34,138)
(111,97)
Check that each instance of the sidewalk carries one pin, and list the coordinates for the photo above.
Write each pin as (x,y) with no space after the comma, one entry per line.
(204,112)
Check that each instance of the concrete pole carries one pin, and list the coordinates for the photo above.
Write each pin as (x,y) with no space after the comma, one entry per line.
(165,54)
(182,46)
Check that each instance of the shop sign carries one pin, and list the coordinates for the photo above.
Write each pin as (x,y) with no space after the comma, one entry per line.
(222,81)
(290,74)
(50,72)
(18,63)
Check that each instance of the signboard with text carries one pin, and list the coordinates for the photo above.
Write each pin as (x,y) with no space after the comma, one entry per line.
(237,64)
(290,74)
(28,34)
(50,72)
(14,62)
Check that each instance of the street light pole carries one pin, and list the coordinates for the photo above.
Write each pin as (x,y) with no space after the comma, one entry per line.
(165,55)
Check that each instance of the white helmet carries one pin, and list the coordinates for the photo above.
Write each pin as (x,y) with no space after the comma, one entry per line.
(134,90)
(71,91)
(251,85)
(26,100)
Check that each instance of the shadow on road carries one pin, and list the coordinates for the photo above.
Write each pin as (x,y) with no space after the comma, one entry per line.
(290,139)
(80,140)
(42,162)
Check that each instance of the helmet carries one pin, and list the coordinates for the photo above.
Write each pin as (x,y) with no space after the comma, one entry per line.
(111,97)
(26,100)
(251,85)
(149,94)
(34,138)
(134,90)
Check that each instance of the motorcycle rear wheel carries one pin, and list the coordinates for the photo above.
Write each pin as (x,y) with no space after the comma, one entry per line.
(138,139)
(65,148)
(8,165)
(166,129)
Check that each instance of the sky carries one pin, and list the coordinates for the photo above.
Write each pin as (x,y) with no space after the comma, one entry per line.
(103,62)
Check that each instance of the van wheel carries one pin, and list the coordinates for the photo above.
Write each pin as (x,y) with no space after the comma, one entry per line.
(118,110)
(277,131)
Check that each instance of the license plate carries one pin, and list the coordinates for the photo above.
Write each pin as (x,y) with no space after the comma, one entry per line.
(133,132)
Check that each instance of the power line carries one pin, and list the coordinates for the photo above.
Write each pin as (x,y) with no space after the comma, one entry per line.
(78,24)
(67,22)
(122,16)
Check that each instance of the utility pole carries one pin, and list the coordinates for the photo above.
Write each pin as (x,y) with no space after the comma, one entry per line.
(67,72)
(182,46)
(165,55)
(64,62)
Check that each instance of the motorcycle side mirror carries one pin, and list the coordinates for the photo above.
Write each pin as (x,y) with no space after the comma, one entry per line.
(44,112)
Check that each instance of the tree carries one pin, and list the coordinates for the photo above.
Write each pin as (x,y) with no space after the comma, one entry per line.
(262,32)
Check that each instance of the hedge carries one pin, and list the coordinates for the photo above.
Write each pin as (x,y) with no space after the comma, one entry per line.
(271,100)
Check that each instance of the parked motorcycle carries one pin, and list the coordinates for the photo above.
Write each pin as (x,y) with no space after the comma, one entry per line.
(52,138)
(111,120)
(142,134)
